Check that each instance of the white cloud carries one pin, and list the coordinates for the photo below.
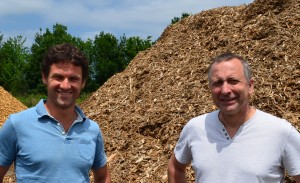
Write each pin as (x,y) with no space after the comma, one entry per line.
(85,18)
(17,7)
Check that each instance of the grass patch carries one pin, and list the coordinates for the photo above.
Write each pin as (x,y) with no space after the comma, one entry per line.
(83,97)
(32,99)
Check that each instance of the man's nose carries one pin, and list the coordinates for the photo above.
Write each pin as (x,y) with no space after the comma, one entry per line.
(65,84)
(226,88)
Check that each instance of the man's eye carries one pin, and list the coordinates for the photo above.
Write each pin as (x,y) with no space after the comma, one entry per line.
(59,78)
(74,79)
(233,82)
(217,83)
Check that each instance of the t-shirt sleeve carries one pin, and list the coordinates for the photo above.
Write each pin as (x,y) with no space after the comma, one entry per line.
(100,155)
(182,150)
(291,158)
(7,143)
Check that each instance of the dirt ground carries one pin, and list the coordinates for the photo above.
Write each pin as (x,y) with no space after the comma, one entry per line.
(142,110)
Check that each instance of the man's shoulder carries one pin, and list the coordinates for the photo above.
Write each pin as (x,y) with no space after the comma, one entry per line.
(204,118)
(32,113)
(273,122)
(270,117)
(24,113)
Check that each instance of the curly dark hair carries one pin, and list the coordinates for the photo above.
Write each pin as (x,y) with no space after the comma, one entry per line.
(65,53)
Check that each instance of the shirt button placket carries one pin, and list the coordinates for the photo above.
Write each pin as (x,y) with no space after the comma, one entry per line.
(61,129)
(226,134)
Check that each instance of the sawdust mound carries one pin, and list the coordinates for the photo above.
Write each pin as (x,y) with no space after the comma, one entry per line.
(8,105)
(142,110)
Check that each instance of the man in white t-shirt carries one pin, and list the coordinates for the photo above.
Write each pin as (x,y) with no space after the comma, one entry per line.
(236,143)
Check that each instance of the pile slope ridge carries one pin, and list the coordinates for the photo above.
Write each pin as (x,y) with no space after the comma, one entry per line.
(8,105)
(142,110)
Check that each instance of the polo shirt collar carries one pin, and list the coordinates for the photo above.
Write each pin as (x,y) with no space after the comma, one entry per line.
(41,110)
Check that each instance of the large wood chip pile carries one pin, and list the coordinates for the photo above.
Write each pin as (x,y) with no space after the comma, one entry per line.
(142,110)
(8,105)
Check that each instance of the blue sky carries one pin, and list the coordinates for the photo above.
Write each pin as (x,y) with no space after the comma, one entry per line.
(87,18)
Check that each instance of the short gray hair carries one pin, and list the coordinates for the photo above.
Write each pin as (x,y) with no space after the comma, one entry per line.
(229,56)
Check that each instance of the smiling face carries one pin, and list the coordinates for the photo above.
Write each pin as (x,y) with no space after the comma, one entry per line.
(64,84)
(229,87)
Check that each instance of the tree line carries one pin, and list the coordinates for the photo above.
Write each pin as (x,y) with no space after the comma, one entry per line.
(20,65)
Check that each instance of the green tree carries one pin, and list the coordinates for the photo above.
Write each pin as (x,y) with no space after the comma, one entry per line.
(107,56)
(177,19)
(13,57)
(133,46)
(104,58)
(1,38)
(90,85)
(110,55)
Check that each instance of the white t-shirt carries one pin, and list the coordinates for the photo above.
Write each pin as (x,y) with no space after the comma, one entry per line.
(259,152)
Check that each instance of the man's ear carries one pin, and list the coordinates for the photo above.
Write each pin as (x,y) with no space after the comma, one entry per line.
(83,84)
(44,78)
(251,86)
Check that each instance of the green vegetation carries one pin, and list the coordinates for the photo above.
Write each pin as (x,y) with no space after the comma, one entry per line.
(20,65)
(177,19)
(32,99)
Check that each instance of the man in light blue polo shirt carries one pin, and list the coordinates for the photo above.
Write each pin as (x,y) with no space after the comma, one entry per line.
(54,141)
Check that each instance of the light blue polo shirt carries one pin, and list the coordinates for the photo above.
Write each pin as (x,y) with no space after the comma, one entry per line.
(43,152)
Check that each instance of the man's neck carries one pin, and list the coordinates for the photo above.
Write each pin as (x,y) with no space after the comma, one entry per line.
(66,116)
(233,122)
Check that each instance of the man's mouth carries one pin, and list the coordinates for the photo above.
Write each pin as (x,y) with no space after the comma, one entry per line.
(64,92)
(227,100)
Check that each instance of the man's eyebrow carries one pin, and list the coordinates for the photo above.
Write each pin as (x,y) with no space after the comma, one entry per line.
(55,74)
